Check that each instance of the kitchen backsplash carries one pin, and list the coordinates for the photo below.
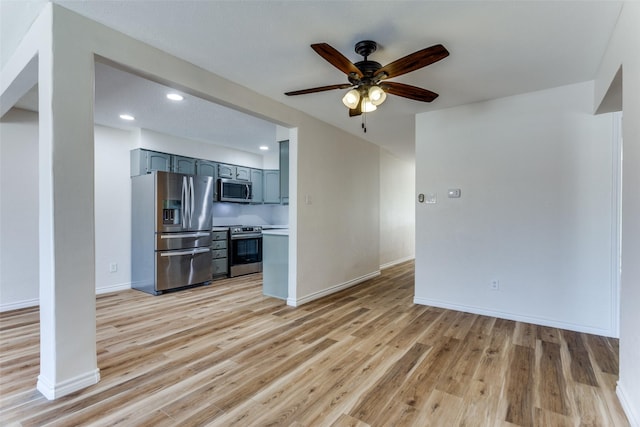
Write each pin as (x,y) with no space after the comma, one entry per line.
(240,214)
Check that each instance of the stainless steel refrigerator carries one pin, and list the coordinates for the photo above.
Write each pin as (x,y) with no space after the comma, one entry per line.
(170,230)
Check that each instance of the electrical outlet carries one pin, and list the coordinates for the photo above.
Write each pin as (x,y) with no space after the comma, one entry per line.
(494,285)
(113,267)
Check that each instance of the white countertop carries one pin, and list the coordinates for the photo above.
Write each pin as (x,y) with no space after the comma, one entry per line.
(276,232)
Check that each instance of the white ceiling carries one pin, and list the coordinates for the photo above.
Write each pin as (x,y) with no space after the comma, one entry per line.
(498,49)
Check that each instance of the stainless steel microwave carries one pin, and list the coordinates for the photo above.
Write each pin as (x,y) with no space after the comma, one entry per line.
(230,190)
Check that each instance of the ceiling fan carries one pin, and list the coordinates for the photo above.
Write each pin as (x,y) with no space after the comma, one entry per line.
(369,78)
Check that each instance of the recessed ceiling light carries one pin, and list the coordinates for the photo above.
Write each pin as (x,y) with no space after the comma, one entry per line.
(127,117)
(175,96)
(264,147)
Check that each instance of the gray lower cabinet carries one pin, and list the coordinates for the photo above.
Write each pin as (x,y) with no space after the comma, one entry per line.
(271,180)
(256,186)
(146,161)
(181,164)
(219,254)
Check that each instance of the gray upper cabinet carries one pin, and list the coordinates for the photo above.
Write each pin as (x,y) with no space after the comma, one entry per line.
(243,174)
(267,185)
(271,186)
(226,171)
(284,172)
(256,186)
(183,165)
(145,161)
(239,173)
(205,167)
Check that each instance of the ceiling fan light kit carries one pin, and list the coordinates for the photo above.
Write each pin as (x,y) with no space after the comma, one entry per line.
(365,77)
(351,99)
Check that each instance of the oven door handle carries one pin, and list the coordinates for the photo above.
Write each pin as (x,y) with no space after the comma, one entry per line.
(247,236)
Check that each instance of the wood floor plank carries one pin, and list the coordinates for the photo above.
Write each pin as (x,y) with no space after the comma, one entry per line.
(603,353)
(581,368)
(457,379)
(370,404)
(423,381)
(552,381)
(224,354)
(519,391)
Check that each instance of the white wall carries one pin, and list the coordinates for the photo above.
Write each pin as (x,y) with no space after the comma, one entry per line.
(19,276)
(338,211)
(397,210)
(535,172)
(113,207)
(623,52)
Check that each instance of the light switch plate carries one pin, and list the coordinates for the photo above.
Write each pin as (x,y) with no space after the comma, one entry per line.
(454,193)
(432,198)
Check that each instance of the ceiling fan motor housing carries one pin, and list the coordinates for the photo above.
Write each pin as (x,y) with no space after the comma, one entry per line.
(366,48)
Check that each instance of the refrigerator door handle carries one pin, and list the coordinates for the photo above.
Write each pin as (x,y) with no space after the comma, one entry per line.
(192,200)
(188,201)
(184,235)
(183,205)
(183,253)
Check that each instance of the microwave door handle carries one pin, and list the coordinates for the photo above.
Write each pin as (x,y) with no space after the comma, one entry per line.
(248,191)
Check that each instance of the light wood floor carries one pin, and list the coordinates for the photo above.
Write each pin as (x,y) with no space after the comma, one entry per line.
(225,355)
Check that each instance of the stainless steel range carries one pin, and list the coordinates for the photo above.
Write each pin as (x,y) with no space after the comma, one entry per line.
(245,250)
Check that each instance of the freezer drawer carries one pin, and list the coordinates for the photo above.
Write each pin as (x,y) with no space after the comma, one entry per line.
(186,240)
(182,268)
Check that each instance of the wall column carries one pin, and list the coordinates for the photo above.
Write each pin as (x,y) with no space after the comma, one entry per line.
(66,213)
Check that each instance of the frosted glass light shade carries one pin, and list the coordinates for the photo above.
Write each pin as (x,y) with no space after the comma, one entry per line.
(377,95)
(367,105)
(351,99)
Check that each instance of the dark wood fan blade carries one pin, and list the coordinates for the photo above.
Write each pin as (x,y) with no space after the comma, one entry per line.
(336,59)
(414,61)
(318,89)
(408,91)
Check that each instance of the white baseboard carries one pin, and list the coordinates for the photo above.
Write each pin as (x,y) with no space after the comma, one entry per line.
(16,305)
(323,293)
(515,316)
(632,413)
(113,288)
(19,304)
(396,262)
(54,391)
